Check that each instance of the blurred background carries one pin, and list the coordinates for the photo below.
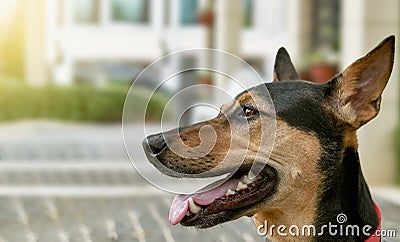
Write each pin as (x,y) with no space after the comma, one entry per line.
(67,65)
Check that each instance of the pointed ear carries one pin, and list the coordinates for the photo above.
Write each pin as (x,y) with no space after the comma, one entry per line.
(283,68)
(355,94)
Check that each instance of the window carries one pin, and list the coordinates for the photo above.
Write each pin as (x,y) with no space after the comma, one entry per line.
(86,11)
(133,11)
(188,12)
(247,13)
(325,24)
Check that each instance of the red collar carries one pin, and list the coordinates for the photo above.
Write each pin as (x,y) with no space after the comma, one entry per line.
(375,237)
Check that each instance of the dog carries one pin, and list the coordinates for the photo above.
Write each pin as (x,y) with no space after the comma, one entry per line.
(313,172)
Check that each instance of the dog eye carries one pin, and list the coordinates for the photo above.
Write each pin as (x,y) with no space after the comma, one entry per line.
(249,112)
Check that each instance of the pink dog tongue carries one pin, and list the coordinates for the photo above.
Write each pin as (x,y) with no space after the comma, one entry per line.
(178,209)
(180,204)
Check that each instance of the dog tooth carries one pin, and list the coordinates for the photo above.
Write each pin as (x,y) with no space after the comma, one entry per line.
(193,207)
(241,186)
(254,177)
(230,192)
(251,176)
(187,213)
(246,179)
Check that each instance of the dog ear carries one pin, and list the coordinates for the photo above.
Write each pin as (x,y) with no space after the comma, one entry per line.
(355,94)
(283,68)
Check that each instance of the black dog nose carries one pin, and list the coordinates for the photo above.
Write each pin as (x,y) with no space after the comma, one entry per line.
(155,142)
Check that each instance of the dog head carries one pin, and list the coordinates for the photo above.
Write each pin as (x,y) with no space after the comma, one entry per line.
(313,157)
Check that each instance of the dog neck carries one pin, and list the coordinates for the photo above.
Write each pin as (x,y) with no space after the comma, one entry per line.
(268,224)
(344,192)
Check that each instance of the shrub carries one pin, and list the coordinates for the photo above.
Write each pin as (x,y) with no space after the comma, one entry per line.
(73,103)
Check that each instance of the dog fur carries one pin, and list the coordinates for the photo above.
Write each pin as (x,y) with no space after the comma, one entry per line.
(315,154)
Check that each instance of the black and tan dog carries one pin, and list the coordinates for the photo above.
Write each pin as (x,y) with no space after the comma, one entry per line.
(313,173)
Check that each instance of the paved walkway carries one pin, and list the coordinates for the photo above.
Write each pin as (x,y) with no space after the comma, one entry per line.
(69,182)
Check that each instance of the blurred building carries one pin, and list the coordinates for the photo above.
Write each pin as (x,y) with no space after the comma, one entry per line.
(100,40)
(69,37)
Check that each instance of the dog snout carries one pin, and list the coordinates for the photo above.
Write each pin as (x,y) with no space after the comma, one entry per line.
(154,144)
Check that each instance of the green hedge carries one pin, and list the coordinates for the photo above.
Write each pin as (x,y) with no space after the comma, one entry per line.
(73,103)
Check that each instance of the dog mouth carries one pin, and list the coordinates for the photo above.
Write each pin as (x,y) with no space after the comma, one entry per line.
(225,202)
